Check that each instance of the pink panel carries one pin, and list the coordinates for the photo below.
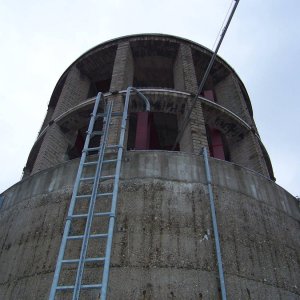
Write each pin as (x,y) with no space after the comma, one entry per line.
(142,136)
(217,144)
(209,94)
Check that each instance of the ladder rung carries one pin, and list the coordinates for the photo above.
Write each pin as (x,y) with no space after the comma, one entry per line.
(92,236)
(90,163)
(79,216)
(65,287)
(116,114)
(109,161)
(99,214)
(86,178)
(94,133)
(91,149)
(91,259)
(113,146)
(83,196)
(113,114)
(103,214)
(101,115)
(98,195)
(107,177)
(91,286)
(84,286)
(104,194)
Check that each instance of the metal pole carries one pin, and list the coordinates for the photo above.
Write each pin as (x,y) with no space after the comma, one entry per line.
(212,60)
(215,225)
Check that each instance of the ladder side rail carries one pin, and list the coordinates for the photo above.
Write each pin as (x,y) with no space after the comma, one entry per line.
(215,225)
(73,200)
(88,225)
(106,270)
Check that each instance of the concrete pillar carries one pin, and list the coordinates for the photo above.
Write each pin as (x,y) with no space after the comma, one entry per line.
(123,70)
(247,152)
(229,95)
(185,79)
(75,90)
(55,142)
(122,77)
(48,118)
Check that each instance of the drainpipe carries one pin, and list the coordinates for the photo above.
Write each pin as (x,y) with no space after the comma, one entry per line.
(215,225)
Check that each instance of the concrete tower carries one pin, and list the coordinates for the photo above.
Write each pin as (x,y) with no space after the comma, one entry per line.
(163,246)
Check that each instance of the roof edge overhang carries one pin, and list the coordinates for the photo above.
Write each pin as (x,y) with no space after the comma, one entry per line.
(154,35)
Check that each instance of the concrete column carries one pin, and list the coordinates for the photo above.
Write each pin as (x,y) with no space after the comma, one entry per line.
(122,77)
(123,69)
(55,142)
(185,79)
(74,91)
(247,152)
(229,95)
(48,118)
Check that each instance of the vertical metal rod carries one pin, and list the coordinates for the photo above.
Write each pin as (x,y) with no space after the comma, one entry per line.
(212,60)
(215,225)
(73,201)
(116,188)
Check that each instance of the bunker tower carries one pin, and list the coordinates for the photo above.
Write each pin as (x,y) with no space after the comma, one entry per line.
(163,243)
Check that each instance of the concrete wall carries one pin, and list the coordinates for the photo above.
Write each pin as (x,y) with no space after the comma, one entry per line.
(163,246)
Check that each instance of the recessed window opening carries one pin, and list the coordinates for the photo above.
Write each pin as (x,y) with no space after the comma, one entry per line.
(154,63)
(153,71)
(217,143)
(152,131)
(102,86)
(98,65)
(208,90)
(75,150)
(217,73)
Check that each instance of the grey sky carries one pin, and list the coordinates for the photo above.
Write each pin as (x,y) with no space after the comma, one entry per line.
(40,39)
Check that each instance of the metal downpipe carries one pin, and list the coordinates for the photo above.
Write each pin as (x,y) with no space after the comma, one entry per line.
(215,225)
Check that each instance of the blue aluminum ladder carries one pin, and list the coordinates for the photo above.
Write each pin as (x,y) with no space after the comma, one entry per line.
(94,213)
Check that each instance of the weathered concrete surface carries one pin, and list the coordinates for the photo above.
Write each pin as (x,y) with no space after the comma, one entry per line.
(163,244)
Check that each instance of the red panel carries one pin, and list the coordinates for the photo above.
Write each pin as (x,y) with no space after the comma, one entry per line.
(209,94)
(217,144)
(79,143)
(142,136)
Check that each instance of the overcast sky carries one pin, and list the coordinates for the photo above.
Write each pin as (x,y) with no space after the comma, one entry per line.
(40,39)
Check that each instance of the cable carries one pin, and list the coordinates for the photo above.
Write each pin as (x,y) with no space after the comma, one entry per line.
(188,114)
(219,33)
